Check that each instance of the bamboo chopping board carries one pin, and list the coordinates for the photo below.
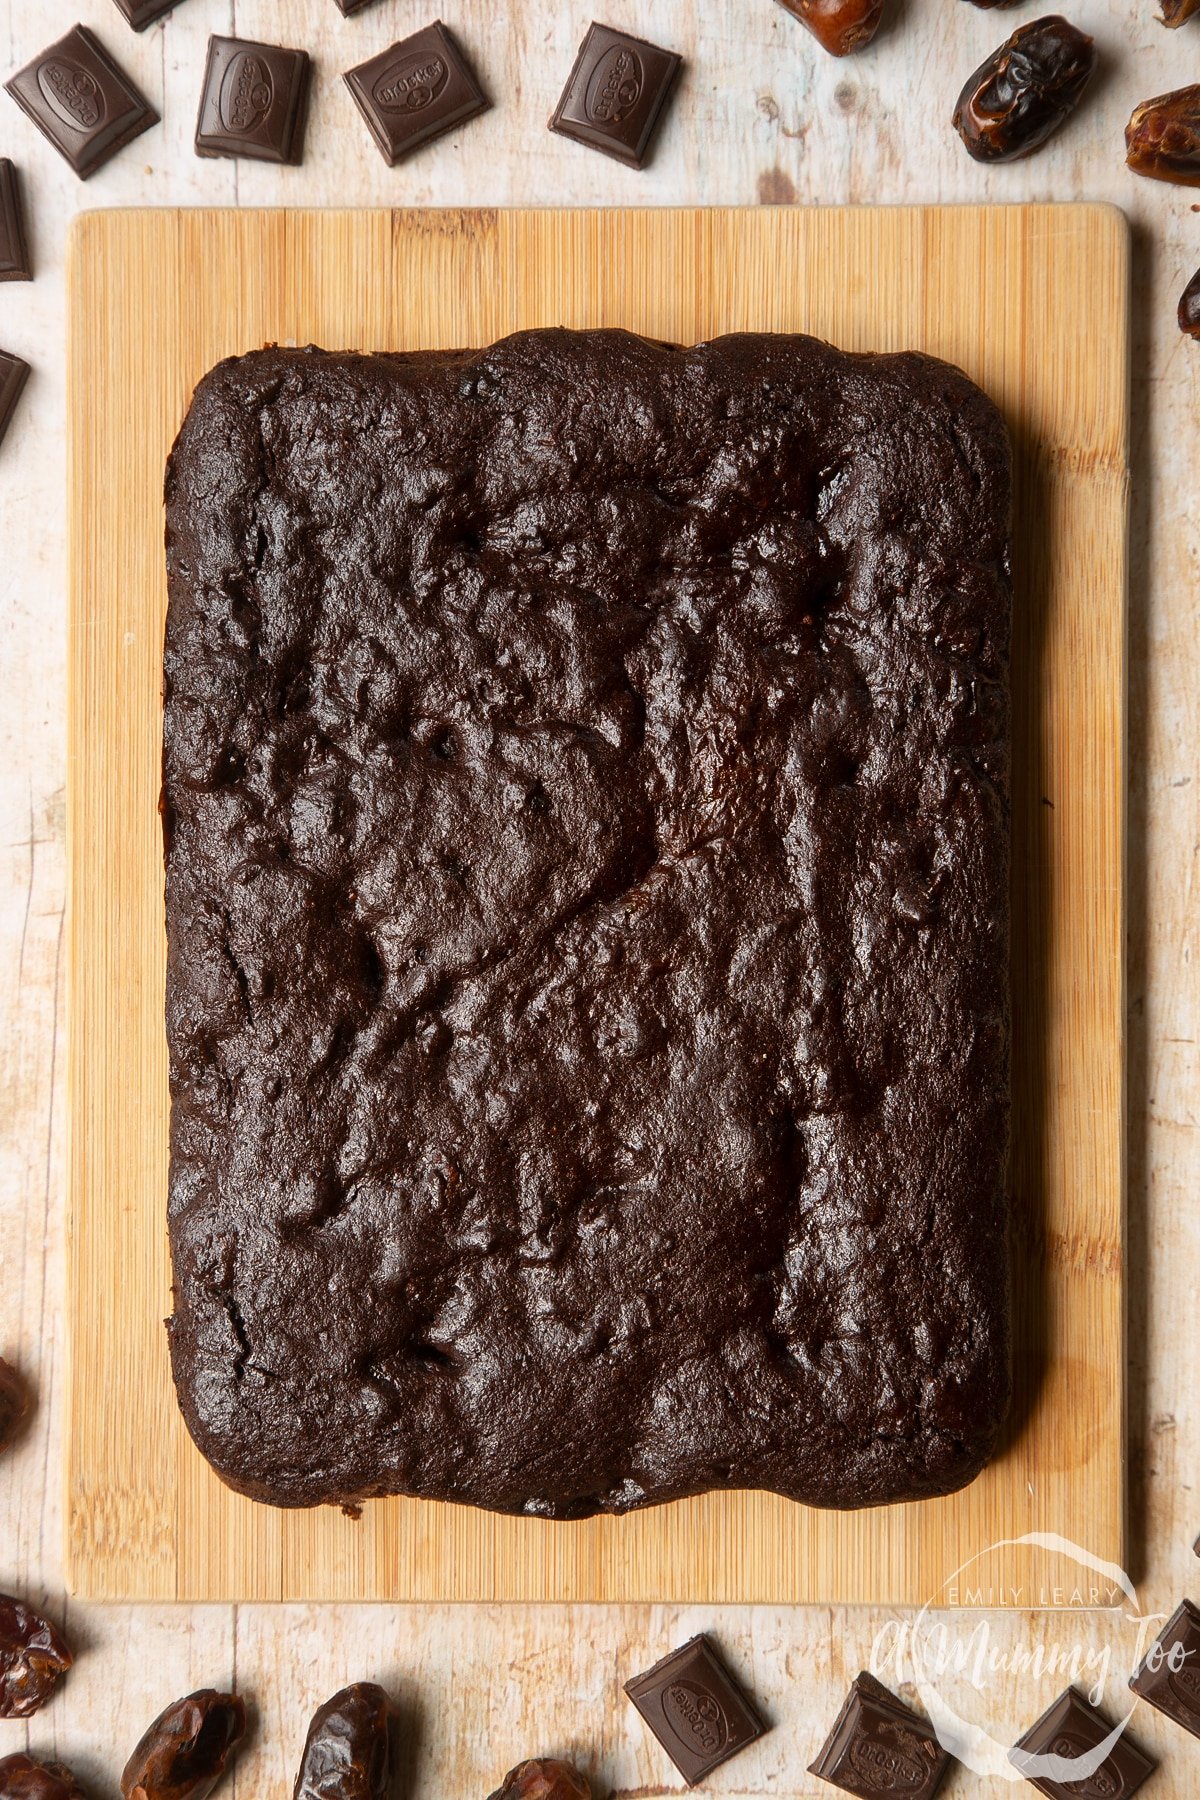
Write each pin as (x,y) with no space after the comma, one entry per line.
(1030,301)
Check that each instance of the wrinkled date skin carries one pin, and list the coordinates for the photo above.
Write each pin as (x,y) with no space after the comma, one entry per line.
(34,1657)
(350,1751)
(543,1779)
(14,1403)
(23,1777)
(1162,139)
(1189,308)
(1174,12)
(839,26)
(182,1756)
(1025,90)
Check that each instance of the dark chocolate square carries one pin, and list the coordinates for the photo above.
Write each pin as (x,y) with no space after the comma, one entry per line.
(616,94)
(13,375)
(1069,1729)
(877,1746)
(695,1710)
(79,99)
(349,7)
(1169,1675)
(14,252)
(254,101)
(420,88)
(140,13)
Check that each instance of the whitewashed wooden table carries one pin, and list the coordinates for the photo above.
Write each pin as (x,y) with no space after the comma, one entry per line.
(762,116)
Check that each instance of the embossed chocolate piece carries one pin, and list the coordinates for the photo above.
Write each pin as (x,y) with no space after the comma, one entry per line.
(543,1778)
(352,1746)
(13,375)
(1188,314)
(14,266)
(877,1746)
(140,13)
(254,101)
(416,91)
(1169,1674)
(691,1704)
(1067,1731)
(349,7)
(81,101)
(616,94)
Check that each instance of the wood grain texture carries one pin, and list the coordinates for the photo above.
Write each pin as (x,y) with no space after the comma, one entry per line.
(157,298)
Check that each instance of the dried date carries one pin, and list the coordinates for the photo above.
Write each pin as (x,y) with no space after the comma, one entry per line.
(1174,12)
(1189,324)
(839,26)
(23,1777)
(14,1403)
(183,1754)
(34,1657)
(351,1748)
(1025,90)
(1162,138)
(543,1779)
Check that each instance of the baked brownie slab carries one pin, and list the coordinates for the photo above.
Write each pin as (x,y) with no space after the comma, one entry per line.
(586,805)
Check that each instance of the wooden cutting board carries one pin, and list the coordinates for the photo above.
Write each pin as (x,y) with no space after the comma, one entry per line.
(1032,302)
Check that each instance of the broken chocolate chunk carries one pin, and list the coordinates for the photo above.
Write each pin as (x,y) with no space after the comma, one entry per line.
(878,1746)
(1169,1673)
(1058,1754)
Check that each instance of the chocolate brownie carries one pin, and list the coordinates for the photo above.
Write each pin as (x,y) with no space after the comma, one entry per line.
(586,811)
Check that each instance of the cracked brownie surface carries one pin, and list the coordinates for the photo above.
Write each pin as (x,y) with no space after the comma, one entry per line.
(586,806)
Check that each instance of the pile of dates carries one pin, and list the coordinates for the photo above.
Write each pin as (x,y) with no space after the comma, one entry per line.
(351,1753)
(352,1750)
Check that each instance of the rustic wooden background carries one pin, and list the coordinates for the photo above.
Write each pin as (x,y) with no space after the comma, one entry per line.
(763,116)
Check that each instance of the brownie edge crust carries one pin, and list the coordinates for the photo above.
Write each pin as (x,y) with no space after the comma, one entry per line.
(586,775)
